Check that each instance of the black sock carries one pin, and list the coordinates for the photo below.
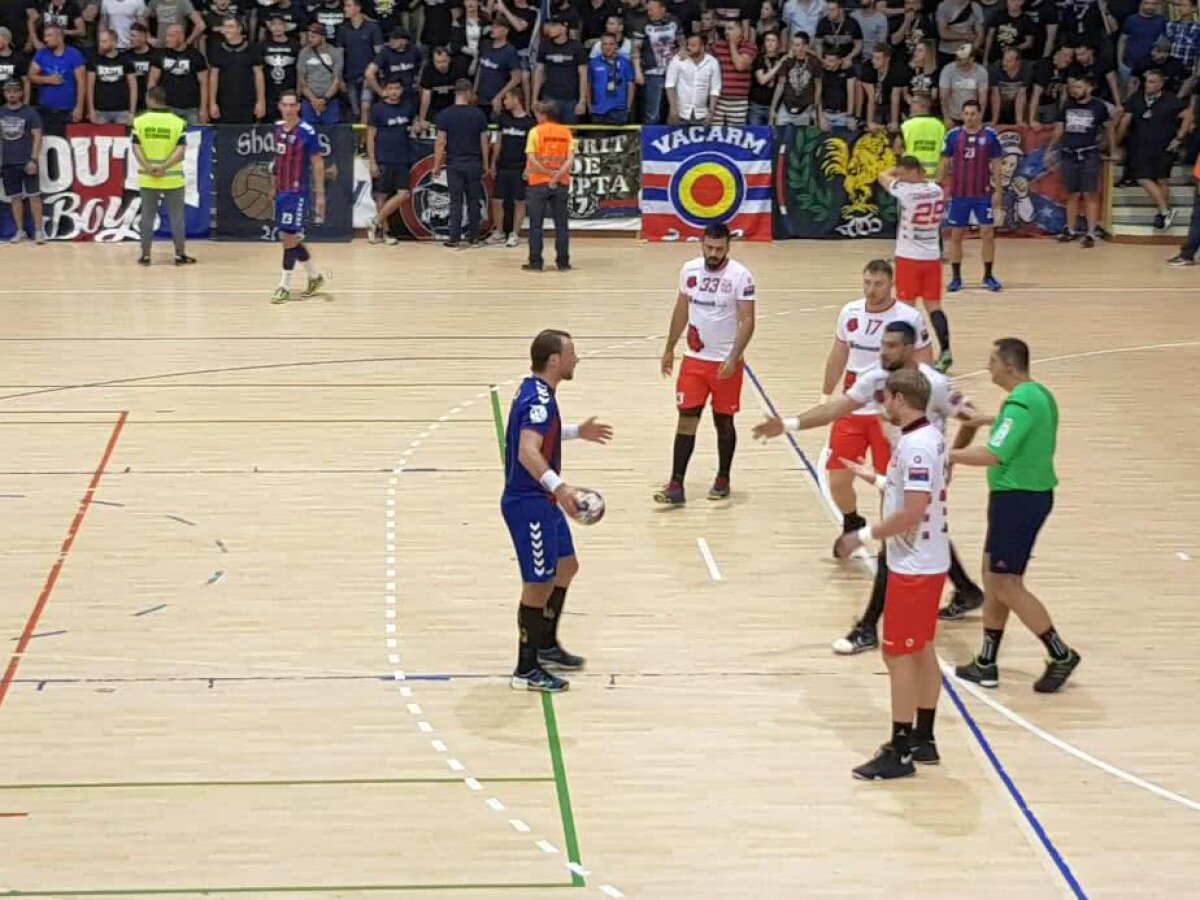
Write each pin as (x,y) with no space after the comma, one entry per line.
(924,729)
(529,622)
(958,575)
(991,645)
(956,268)
(852,521)
(684,445)
(874,611)
(550,616)
(726,443)
(987,270)
(901,732)
(941,328)
(510,213)
(1058,650)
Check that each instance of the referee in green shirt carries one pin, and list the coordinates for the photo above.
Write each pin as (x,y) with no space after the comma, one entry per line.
(1020,460)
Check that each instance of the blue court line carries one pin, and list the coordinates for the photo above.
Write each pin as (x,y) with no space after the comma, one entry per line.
(42,634)
(1013,791)
(150,610)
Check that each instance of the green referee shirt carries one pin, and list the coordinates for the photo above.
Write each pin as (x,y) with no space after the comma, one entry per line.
(1024,436)
(924,137)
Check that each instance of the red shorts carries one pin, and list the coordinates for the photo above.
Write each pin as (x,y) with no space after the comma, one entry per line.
(852,436)
(910,611)
(918,279)
(698,381)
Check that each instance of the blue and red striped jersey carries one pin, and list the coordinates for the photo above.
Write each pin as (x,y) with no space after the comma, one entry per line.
(293,149)
(971,153)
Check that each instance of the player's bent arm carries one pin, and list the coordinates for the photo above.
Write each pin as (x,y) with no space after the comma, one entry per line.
(974,456)
(903,520)
(887,179)
(529,455)
(822,414)
(964,436)
(835,365)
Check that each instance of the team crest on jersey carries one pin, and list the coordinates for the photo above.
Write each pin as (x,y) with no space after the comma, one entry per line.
(538,414)
(691,282)
(852,325)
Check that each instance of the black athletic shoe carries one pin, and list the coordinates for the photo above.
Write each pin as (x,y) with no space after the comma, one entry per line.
(451,245)
(859,640)
(1088,242)
(886,765)
(184,260)
(960,604)
(538,680)
(530,267)
(983,674)
(1066,236)
(144,260)
(1056,674)
(559,658)
(925,752)
(563,267)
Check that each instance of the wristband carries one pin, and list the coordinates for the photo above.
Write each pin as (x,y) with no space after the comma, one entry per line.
(570,432)
(864,534)
(880,482)
(550,480)
(791,423)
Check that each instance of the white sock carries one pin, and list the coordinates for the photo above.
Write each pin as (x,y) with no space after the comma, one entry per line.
(309,267)
(285,279)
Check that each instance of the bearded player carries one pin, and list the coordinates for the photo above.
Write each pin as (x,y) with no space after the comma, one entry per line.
(918,245)
(298,165)
(945,402)
(535,504)
(856,344)
(715,304)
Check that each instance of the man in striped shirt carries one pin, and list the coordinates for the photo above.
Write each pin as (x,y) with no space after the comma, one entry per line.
(736,59)
(972,155)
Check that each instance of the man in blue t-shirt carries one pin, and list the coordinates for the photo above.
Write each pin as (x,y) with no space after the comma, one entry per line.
(460,149)
(390,155)
(535,505)
(59,71)
(499,70)
(1138,34)
(611,84)
(20,147)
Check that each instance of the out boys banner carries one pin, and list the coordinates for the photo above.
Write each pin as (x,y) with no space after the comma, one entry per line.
(245,185)
(88,181)
(701,174)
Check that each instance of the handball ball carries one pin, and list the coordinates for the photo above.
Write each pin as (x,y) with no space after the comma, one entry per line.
(591,507)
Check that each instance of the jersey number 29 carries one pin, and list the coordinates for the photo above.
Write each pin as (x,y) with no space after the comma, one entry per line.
(928,213)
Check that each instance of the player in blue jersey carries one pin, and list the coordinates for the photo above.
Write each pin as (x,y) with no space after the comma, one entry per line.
(297,154)
(972,155)
(535,505)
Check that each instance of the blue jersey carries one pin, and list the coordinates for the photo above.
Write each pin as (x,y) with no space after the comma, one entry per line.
(534,407)
(293,151)
(971,154)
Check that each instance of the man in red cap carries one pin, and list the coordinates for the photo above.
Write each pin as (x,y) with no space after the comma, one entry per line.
(319,78)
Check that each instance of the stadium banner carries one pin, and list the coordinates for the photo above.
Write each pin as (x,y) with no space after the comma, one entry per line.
(700,174)
(606,180)
(825,184)
(245,186)
(1035,202)
(88,181)
(425,215)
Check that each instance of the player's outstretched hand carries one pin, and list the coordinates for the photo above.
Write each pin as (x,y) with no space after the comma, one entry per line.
(565,494)
(668,363)
(596,432)
(846,544)
(768,428)
(860,468)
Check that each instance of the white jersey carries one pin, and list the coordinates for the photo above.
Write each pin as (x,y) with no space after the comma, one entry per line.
(862,332)
(945,401)
(713,299)
(919,464)
(920,220)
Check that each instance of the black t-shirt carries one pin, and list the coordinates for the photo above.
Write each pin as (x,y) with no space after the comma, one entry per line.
(139,64)
(687,13)
(1080,22)
(1011,31)
(463,125)
(63,16)
(214,19)
(1053,82)
(571,18)
(279,70)
(1042,13)
(736,10)
(404,63)
(112,90)
(521,39)
(800,79)
(561,62)
(235,90)
(920,82)
(294,16)
(1098,72)
(840,36)
(1173,72)
(1154,125)
(1083,123)
(14,17)
(13,67)
(896,76)
(180,69)
(923,29)
(594,17)
(513,132)
(440,86)
(329,15)
(763,94)
(835,88)
(438,19)
(1009,87)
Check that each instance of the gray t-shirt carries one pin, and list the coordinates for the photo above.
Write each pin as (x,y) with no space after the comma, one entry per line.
(320,67)
(168,13)
(957,86)
(961,19)
(874,30)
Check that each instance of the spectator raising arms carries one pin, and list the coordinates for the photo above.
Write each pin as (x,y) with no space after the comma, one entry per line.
(764,77)
(735,55)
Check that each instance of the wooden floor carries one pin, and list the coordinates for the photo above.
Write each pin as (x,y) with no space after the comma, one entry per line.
(271,655)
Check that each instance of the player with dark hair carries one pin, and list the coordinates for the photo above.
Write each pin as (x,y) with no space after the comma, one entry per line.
(298,166)
(972,154)
(535,505)
(715,303)
(1019,457)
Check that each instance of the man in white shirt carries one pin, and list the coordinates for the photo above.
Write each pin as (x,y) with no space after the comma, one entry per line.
(803,16)
(693,84)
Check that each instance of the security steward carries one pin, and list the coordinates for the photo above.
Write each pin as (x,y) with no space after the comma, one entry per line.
(549,155)
(159,145)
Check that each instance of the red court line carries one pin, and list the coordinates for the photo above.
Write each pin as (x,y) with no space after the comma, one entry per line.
(52,578)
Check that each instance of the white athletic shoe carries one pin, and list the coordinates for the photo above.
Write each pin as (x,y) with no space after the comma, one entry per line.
(373,232)
(513,240)
(391,240)
(1169,217)
(18,237)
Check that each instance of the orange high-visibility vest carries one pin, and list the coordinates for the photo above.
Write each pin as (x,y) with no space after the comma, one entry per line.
(550,144)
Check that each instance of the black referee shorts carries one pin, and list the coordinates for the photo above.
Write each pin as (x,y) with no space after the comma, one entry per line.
(1014,520)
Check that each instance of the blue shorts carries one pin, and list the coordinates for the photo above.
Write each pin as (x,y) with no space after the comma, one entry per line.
(967,211)
(290,210)
(540,535)
(1014,520)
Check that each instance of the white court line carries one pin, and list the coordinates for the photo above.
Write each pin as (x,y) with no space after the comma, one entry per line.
(365,290)
(1173,345)
(714,572)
